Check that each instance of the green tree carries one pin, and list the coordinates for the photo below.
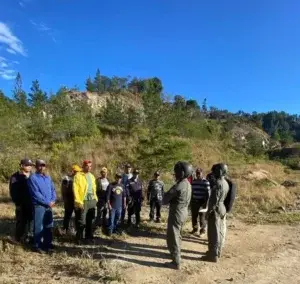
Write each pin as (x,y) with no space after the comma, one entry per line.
(37,97)
(19,94)
(98,84)
(89,85)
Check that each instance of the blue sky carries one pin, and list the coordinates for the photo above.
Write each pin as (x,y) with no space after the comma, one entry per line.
(237,54)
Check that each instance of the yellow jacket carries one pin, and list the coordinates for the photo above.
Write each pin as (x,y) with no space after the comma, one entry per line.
(80,186)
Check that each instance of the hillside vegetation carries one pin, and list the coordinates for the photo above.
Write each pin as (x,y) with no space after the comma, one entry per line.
(118,120)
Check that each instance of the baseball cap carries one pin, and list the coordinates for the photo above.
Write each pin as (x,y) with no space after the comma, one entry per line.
(103,170)
(26,162)
(86,162)
(76,168)
(40,162)
(136,171)
(128,166)
(157,173)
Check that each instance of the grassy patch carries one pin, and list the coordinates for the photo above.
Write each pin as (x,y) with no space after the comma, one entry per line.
(272,218)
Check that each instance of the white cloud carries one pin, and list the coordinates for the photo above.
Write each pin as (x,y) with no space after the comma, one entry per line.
(42,27)
(7,71)
(13,43)
(22,4)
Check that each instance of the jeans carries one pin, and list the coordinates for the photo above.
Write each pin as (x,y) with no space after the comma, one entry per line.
(155,204)
(23,222)
(42,228)
(114,219)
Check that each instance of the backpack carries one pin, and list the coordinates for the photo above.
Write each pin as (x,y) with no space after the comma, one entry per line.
(229,200)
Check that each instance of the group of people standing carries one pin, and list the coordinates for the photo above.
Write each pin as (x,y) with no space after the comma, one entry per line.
(92,199)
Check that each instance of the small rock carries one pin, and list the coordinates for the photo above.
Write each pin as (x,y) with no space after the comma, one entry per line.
(289,183)
(230,279)
(281,208)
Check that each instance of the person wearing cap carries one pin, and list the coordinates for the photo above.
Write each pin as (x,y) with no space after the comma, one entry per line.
(68,196)
(102,184)
(85,200)
(200,197)
(116,199)
(155,195)
(20,195)
(127,175)
(135,192)
(43,196)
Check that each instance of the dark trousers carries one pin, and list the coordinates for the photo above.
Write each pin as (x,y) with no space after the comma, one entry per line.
(24,217)
(84,218)
(101,214)
(42,227)
(114,219)
(135,208)
(195,207)
(69,209)
(155,204)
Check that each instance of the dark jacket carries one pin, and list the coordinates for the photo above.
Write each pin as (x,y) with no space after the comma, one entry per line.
(135,190)
(101,192)
(67,190)
(19,190)
(155,190)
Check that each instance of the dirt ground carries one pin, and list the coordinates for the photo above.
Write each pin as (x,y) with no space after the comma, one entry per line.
(253,254)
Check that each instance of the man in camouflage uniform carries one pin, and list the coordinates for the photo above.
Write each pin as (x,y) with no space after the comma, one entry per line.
(155,195)
(216,215)
(178,197)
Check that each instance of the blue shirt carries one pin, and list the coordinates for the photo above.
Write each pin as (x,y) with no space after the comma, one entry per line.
(115,195)
(41,189)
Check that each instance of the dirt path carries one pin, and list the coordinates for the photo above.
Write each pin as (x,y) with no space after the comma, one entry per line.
(253,254)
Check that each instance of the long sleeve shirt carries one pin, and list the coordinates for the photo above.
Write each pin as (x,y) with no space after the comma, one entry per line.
(41,189)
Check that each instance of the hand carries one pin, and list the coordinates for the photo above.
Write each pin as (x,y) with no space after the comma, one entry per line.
(109,206)
(51,204)
(78,205)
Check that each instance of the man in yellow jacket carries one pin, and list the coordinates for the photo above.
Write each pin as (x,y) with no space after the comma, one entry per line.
(85,200)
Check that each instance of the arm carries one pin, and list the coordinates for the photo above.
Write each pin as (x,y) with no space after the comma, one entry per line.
(169,195)
(13,190)
(76,187)
(35,192)
(214,197)
(124,198)
(149,190)
(53,192)
(108,195)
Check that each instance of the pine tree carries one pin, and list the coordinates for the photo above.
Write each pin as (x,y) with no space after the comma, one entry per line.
(89,85)
(37,97)
(204,106)
(19,94)
(98,84)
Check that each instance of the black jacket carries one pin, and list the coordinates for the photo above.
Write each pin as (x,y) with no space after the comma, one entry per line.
(19,191)
(229,200)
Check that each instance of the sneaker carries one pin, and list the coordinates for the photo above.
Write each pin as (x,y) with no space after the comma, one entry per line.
(158,220)
(173,265)
(202,232)
(194,231)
